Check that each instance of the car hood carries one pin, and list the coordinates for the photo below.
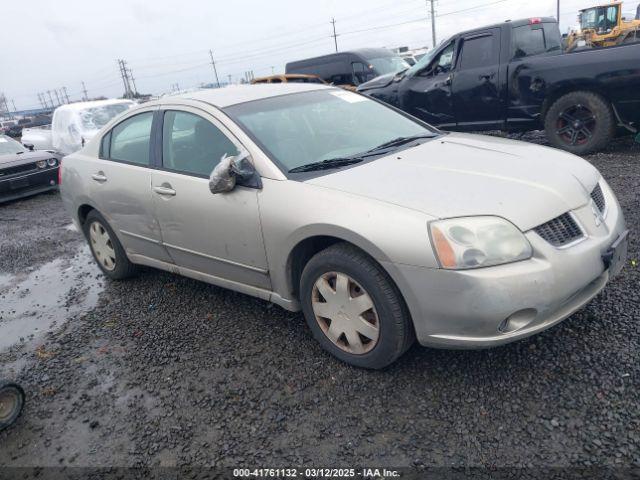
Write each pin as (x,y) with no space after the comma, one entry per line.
(12,159)
(378,82)
(459,174)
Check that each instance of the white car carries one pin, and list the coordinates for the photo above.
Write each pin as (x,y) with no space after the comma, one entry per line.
(74,124)
(379,227)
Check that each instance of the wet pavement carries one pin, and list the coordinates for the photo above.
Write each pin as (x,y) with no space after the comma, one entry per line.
(164,370)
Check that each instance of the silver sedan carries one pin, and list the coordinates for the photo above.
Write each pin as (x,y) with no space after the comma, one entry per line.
(380,228)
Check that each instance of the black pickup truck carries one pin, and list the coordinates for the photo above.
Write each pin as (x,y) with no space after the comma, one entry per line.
(514,76)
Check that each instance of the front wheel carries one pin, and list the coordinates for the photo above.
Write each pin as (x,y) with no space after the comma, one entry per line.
(580,122)
(354,309)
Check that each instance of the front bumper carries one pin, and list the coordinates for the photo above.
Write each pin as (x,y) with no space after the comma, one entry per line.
(496,305)
(32,183)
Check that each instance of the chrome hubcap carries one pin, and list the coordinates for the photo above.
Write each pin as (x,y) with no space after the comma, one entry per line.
(102,246)
(345,313)
(8,402)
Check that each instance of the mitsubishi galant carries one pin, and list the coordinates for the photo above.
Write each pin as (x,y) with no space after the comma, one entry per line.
(379,227)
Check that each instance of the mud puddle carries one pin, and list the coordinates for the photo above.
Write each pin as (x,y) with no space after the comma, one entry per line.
(33,303)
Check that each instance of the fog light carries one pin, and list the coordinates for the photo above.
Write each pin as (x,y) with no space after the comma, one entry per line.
(518,320)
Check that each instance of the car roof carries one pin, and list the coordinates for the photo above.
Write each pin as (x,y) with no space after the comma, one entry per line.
(78,106)
(235,94)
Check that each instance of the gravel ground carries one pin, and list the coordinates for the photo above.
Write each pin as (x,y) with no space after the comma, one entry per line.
(163,370)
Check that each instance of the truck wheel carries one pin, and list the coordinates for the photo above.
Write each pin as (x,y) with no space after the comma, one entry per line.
(580,122)
(11,403)
(106,249)
(354,309)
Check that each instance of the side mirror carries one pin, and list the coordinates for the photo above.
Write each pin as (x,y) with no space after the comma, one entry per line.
(231,171)
(29,146)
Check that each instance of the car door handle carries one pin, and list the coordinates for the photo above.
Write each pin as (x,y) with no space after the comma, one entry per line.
(488,76)
(99,177)
(165,189)
(448,81)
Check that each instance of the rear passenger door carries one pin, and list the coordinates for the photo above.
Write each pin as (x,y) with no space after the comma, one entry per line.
(475,88)
(218,235)
(121,185)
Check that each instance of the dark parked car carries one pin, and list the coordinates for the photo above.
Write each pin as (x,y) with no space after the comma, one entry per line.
(514,76)
(24,173)
(15,131)
(350,68)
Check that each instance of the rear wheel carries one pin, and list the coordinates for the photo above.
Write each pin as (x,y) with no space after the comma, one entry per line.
(106,249)
(580,122)
(354,309)
(11,403)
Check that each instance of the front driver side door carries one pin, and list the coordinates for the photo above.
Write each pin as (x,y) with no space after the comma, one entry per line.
(475,86)
(427,94)
(217,235)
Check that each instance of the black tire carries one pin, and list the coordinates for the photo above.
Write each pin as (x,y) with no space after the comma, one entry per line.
(396,333)
(580,122)
(123,267)
(11,403)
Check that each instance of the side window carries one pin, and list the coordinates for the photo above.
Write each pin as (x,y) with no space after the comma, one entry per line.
(104,145)
(479,52)
(193,145)
(359,72)
(130,139)
(443,62)
(528,41)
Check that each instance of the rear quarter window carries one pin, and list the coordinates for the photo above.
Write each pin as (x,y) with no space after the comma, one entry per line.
(528,40)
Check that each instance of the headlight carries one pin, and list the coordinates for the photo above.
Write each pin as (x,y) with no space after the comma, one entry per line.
(473,242)
(41,163)
(52,162)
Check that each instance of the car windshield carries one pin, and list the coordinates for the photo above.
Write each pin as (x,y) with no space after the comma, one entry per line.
(97,117)
(384,65)
(9,146)
(309,127)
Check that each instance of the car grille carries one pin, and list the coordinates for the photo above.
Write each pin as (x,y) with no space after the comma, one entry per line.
(598,198)
(560,231)
(5,172)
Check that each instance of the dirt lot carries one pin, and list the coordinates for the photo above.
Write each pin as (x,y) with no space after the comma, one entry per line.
(162,370)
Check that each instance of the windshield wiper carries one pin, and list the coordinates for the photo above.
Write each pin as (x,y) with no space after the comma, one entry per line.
(396,142)
(327,164)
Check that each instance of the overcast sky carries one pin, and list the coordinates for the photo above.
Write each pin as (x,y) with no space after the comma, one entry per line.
(48,44)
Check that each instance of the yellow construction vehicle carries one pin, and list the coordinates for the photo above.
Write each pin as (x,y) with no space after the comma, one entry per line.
(604,26)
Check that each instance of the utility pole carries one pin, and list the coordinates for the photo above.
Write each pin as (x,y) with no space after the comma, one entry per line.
(558,12)
(335,35)
(84,91)
(125,78)
(213,64)
(66,95)
(433,21)
(133,81)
